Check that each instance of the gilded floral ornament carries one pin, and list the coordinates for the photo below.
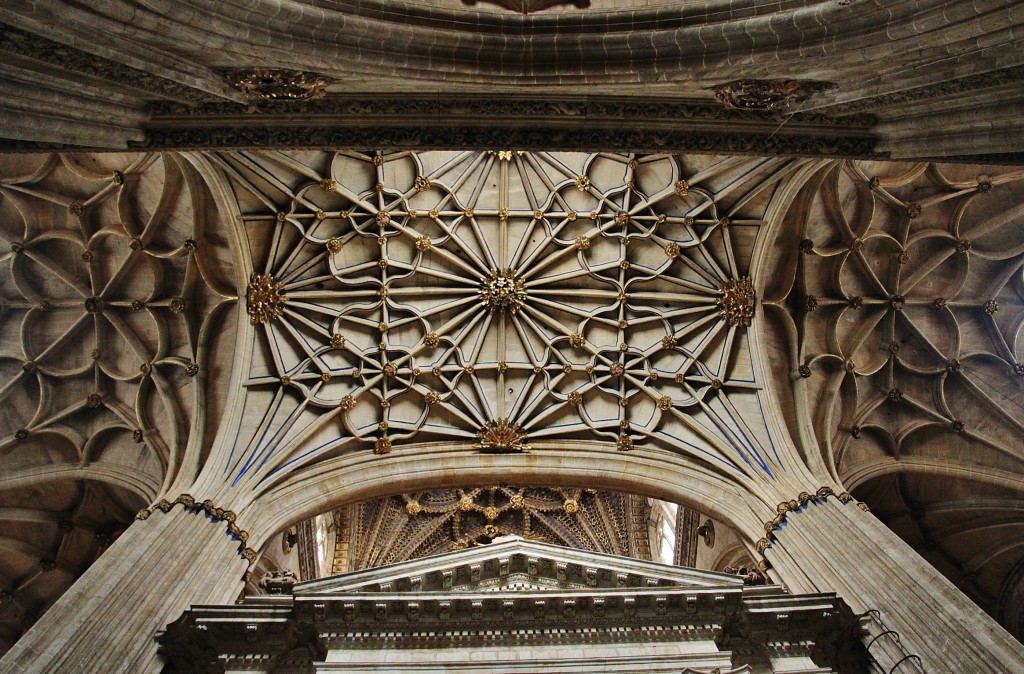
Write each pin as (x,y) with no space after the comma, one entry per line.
(506,155)
(737,301)
(777,94)
(382,446)
(413,507)
(503,292)
(502,436)
(264,299)
(280,85)
(624,443)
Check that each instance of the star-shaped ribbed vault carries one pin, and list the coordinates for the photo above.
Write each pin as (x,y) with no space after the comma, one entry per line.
(500,298)
(246,329)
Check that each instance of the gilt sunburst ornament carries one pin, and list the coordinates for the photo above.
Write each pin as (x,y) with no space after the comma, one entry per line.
(264,298)
(738,301)
(504,291)
(502,436)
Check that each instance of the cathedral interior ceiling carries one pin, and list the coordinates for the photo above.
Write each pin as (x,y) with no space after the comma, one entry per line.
(245,318)
(499,299)
(935,78)
(902,315)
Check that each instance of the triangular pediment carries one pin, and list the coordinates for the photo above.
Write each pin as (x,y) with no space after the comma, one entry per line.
(517,565)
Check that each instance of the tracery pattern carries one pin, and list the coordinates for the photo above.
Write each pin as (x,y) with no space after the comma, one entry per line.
(905,292)
(909,301)
(111,278)
(457,295)
(108,292)
(410,526)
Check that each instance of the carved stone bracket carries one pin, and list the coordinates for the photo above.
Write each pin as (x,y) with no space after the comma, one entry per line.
(215,513)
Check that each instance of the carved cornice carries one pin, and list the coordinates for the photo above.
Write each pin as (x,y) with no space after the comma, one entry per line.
(689,609)
(974,83)
(461,136)
(580,109)
(43,49)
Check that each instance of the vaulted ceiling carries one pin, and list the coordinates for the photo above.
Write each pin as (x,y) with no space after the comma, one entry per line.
(933,78)
(498,299)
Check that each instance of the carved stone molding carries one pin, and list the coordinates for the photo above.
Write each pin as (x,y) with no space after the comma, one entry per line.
(405,106)
(39,48)
(527,6)
(795,505)
(471,137)
(215,513)
(974,83)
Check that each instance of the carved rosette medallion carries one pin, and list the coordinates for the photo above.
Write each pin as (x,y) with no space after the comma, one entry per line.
(737,301)
(264,299)
(502,436)
(504,292)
